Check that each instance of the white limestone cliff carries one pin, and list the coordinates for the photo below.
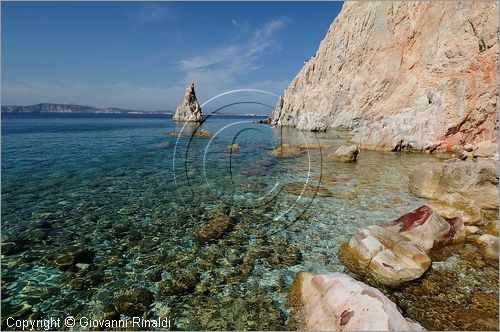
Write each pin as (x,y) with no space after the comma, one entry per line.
(416,75)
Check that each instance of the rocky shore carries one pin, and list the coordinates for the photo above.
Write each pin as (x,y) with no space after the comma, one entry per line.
(419,263)
(419,76)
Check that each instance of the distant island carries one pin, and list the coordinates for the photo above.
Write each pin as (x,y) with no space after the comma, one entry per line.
(74,108)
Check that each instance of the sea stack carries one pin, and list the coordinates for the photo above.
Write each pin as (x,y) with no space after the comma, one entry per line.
(189,110)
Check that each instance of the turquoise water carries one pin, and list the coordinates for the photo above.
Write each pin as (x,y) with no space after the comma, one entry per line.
(95,207)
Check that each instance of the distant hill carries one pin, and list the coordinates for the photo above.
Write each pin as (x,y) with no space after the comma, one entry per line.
(72,108)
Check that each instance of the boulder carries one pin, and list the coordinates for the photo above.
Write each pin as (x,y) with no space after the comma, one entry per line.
(427,229)
(424,181)
(345,154)
(476,180)
(488,244)
(337,302)
(455,205)
(397,252)
(468,187)
(189,110)
(492,227)
(385,256)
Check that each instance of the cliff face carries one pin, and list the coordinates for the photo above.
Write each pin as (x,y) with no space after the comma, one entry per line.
(419,75)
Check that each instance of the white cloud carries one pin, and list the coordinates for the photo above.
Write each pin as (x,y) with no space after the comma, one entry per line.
(243,26)
(214,72)
(150,12)
(223,64)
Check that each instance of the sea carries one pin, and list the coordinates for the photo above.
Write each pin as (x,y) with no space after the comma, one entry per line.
(105,216)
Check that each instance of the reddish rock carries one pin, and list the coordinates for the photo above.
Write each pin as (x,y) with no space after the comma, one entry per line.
(337,302)
(427,229)
(385,256)
(396,252)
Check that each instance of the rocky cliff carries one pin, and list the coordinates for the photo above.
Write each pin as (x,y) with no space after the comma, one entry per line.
(189,110)
(415,75)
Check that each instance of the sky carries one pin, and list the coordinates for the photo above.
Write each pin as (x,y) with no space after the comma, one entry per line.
(141,55)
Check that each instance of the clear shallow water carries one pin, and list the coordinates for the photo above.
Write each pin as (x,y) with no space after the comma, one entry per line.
(104,192)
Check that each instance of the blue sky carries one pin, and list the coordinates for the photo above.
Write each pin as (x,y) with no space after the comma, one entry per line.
(141,55)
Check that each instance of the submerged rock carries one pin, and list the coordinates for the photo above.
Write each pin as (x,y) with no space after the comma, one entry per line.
(83,256)
(134,302)
(459,292)
(217,224)
(10,248)
(306,189)
(189,110)
(233,147)
(345,154)
(286,150)
(249,311)
(176,134)
(337,302)
(77,284)
(64,261)
(191,132)
(202,133)
(179,284)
